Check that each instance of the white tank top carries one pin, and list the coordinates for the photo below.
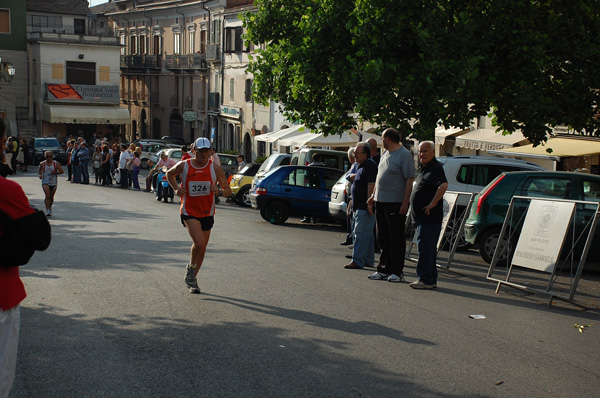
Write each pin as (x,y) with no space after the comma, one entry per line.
(47,177)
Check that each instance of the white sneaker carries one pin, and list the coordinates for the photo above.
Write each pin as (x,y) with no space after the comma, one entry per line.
(378,276)
(396,278)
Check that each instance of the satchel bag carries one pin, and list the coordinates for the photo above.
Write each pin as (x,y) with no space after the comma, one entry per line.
(22,237)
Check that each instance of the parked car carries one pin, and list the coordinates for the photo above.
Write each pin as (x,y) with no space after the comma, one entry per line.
(334,159)
(151,147)
(338,205)
(229,163)
(241,182)
(274,160)
(172,153)
(491,204)
(41,145)
(471,174)
(174,140)
(294,191)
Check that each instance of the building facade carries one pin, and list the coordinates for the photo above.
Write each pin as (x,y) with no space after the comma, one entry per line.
(73,74)
(13,66)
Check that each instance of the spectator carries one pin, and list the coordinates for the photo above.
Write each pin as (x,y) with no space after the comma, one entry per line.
(349,216)
(427,212)
(241,162)
(137,163)
(84,157)
(124,173)
(393,187)
(184,153)
(75,163)
(363,186)
(97,163)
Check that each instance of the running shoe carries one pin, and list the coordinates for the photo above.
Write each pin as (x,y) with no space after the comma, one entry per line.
(190,276)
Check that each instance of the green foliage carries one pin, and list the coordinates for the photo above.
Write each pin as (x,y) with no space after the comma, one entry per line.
(260,159)
(230,151)
(412,63)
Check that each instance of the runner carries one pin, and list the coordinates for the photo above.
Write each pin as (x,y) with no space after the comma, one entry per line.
(199,177)
(48,171)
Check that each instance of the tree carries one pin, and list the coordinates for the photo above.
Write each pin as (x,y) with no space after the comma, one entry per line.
(416,63)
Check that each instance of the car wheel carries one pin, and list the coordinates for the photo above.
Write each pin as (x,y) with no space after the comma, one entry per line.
(263,214)
(488,243)
(244,197)
(277,212)
(450,236)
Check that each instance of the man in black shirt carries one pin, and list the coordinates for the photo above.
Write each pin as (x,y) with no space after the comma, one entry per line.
(427,212)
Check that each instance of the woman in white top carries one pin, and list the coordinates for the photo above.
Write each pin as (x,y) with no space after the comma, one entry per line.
(49,170)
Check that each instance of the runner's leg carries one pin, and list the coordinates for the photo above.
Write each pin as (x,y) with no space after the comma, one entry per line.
(199,242)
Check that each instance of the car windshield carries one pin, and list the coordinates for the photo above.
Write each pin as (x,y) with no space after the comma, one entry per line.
(269,162)
(47,143)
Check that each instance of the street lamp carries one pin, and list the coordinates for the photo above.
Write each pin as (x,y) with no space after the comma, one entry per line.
(7,71)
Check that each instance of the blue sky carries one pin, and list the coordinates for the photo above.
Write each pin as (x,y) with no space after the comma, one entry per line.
(96,2)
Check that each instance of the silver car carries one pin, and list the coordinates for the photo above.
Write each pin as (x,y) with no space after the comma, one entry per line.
(338,204)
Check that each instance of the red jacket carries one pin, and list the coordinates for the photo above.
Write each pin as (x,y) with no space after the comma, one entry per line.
(15,204)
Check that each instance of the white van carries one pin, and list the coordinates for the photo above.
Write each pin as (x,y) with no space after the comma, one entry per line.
(333,159)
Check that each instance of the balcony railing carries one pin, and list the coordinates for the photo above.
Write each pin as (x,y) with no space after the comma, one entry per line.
(73,30)
(186,62)
(140,61)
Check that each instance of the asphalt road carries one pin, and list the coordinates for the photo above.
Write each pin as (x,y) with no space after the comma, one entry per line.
(108,315)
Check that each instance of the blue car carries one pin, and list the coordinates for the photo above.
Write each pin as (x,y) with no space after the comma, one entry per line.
(294,191)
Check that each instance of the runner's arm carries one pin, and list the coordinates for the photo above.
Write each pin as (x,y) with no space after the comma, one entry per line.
(225,189)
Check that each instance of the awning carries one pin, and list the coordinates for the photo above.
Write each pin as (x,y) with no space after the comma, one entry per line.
(285,133)
(84,114)
(488,139)
(347,139)
(561,148)
(441,134)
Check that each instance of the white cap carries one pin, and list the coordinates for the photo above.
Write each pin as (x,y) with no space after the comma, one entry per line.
(202,142)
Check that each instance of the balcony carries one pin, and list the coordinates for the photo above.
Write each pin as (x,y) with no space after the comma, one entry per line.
(185,62)
(72,34)
(138,61)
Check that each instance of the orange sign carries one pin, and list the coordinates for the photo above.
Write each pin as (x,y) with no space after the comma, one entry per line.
(63,91)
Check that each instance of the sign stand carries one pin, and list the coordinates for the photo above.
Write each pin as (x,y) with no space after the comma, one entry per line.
(543,226)
(453,224)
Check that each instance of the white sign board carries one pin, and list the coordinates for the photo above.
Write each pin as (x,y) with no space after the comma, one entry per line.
(448,200)
(544,230)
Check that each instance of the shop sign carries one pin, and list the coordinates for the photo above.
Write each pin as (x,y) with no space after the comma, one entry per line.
(231,111)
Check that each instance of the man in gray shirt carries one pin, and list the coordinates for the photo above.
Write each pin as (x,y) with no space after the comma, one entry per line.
(393,188)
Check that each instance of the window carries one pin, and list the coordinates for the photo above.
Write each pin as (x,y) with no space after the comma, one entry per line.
(4,21)
(81,73)
(192,43)
(332,161)
(231,89)
(547,187)
(591,191)
(248,90)
(233,39)
(176,43)
(216,32)
(79,26)
(123,46)
(304,178)
(330,177)
(481,174)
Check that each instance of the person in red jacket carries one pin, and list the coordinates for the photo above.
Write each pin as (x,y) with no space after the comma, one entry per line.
(14,204)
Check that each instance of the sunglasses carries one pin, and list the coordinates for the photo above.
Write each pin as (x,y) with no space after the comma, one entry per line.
(49,157)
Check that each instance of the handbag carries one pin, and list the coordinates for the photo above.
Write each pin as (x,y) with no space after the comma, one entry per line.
(22,237)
